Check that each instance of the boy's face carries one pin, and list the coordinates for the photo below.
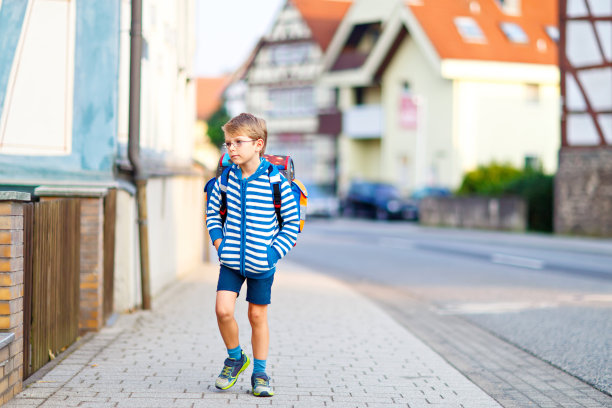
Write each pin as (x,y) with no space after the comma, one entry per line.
(242,149)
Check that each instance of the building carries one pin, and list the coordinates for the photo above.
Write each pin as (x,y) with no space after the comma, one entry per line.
(64,114)
(431,89)
(583,185)
(281,85)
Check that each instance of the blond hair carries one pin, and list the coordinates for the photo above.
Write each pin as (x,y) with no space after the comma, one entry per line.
(248,125)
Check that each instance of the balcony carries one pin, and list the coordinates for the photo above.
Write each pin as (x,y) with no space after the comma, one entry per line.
(363,122)
(330,122)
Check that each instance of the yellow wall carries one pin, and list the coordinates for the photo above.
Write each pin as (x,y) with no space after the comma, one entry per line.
(359,159)
(412,158)
(504,121)
(464,123)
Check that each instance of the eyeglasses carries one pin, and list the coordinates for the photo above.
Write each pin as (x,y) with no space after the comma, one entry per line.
(236,144)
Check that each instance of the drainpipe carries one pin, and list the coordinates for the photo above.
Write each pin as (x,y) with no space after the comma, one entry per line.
(134,149)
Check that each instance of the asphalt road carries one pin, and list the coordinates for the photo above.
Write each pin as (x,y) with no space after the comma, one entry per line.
(551,296)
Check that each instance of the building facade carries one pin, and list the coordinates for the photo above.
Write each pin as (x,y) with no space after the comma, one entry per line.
(281,86)
(64,109)
(429,93)
(583,185)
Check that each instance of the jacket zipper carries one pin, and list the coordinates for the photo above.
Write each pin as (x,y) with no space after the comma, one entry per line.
(243,187)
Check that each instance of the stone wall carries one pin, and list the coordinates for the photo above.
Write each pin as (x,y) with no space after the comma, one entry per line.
(506,213)
(583,192)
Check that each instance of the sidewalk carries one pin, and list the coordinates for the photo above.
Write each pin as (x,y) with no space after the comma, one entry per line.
(330,347)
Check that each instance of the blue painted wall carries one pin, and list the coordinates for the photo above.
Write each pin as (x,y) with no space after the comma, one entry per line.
(12,14)
(96,75)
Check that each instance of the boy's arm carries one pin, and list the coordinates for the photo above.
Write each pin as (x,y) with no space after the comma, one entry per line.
(213,218)
(287,236)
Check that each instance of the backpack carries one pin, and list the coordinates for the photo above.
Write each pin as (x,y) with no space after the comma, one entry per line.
(280,164)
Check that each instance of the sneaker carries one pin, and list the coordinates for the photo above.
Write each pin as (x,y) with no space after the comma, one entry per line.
(230,372)
(261,385)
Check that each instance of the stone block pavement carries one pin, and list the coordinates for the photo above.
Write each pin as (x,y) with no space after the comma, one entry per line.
(330,347)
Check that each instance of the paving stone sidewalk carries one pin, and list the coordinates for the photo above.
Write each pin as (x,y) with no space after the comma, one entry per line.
(330,347)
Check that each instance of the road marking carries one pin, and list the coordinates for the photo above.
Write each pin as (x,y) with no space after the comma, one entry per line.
(597,298)
(493,307)
(519,261)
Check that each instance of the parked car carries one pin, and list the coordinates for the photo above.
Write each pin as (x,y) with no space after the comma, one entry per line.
(377,200)
(423,192)
(419,194)
(322,202)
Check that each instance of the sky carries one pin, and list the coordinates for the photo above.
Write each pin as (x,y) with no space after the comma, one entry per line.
(227,31)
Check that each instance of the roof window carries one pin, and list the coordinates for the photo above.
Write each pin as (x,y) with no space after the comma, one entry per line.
(514,33)
(553,33)
(512,7)
(469,29)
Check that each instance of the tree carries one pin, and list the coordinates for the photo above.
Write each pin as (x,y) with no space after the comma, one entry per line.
(218,119)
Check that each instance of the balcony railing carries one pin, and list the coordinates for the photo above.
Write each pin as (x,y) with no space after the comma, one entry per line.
(363,122)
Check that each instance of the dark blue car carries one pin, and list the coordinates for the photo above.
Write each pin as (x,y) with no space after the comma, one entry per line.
(377,200)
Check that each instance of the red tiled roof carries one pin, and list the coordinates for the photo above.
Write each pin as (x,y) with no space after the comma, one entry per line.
(436,17)
(322,17)
(208,95)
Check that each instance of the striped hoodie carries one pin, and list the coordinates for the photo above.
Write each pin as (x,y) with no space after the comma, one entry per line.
(252,241)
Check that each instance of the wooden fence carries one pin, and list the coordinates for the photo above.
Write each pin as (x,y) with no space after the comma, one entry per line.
(51,298)
(110,214)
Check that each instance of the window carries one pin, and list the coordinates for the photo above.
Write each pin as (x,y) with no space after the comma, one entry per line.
(287,102)
(514,33)
(40,119)
(359,95)
(469,29)
(289,54)
(512,7)
(553,33)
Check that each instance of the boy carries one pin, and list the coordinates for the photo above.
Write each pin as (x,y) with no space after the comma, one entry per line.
(249,245)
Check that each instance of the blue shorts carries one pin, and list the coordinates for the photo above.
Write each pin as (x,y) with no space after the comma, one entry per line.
(258,290)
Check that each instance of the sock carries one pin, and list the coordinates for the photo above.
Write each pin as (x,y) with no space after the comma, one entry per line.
(235,353)
(259,366)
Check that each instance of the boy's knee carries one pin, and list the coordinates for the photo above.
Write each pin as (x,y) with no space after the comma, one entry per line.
(257,315)
(224,313)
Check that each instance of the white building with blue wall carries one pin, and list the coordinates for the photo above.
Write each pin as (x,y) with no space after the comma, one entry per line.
(64,109)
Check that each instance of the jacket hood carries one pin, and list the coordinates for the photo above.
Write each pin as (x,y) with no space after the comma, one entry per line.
(263,167)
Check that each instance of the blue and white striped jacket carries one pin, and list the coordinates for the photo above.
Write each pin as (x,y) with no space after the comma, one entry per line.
(253,242)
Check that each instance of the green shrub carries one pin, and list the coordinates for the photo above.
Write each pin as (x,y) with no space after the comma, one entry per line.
(489,180)
(535,187)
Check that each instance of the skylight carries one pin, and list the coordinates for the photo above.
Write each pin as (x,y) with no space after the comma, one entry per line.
(553,33)
(469,29)
(515,33)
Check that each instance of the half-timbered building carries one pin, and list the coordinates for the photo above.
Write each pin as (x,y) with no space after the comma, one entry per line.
(583,186)
(281,77)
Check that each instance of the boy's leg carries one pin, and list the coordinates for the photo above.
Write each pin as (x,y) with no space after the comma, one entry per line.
(224,308)
(260,337)
(228,288)
(258,296)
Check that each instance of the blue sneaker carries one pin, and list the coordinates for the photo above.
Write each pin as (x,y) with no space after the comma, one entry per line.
(230,372)
(261,385)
